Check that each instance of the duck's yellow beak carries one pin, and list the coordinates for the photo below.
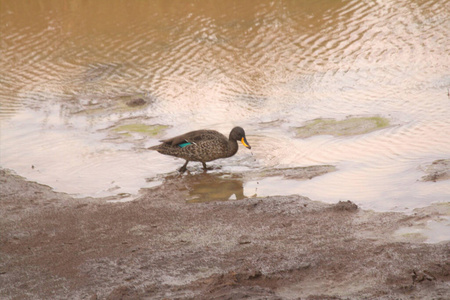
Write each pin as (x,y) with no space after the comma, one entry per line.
(245,143)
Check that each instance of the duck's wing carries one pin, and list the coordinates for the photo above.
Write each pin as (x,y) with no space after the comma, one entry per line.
(193,137)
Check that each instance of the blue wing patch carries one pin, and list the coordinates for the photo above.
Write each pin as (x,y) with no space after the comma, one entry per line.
(182,145)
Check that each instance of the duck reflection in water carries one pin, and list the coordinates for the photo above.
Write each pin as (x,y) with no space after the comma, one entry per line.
(215,187)
(205,187)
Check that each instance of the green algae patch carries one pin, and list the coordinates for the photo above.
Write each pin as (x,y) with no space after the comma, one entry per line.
(149,130)
(413,237)
(348,127)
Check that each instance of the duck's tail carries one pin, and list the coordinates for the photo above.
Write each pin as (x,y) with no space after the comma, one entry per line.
(156,147)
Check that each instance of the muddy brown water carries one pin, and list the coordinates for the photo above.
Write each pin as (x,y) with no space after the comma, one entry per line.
(79,77)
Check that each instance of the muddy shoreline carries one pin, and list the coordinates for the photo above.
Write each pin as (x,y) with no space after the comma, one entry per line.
(53,246)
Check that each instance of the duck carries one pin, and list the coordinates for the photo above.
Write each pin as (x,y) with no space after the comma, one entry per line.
(202,145)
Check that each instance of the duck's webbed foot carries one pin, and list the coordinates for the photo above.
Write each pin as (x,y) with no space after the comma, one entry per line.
(205,168)
(183,168)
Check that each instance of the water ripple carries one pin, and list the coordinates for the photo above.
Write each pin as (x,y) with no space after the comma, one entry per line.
(221,64)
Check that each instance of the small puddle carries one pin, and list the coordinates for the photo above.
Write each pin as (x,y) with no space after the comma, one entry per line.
(215,187)
(218,185)
(432,231)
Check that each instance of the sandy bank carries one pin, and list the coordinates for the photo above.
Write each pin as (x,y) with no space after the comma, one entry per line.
(160,247)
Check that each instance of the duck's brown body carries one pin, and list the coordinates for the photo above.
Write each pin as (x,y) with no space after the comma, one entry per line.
(202,145)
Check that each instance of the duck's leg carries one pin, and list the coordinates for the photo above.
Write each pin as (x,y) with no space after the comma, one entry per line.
(183,168)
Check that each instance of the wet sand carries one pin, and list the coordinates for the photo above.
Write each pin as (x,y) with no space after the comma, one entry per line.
(53,246)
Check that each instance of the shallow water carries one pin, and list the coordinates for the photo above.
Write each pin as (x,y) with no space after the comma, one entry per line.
(70,68)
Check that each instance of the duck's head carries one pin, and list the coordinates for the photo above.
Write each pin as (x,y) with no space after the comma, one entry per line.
(238,134)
